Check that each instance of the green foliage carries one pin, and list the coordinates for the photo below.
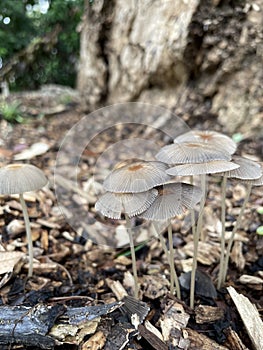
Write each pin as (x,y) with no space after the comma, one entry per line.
(28,23)
(260,230)
(11,112)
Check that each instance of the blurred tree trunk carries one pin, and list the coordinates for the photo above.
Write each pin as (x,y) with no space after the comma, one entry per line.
(200,58)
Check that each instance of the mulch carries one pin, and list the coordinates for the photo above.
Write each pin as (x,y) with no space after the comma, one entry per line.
(70,303)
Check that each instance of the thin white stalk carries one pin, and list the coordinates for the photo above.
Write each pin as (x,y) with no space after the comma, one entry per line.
(160,236)
(28,234)
(201,213)
(192,211)
(173,275)
(236,227)
(196,239)
(134,268)
(223,221)
(171,257)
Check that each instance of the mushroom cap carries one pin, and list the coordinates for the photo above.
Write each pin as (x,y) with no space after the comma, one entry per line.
(202,168)
(172,200)
(112,205)
(191,152)
(257,182)
(213,138)
(248,169)
(19,178)
(136,176)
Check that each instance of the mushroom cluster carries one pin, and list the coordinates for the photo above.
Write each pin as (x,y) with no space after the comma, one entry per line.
(142,188)
(152,191)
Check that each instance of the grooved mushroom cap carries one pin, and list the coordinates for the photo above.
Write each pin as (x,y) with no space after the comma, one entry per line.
(213,138)
(202,168)
(136,176)
(257,182)
(191,152)
(172,200)
(248,169)
(112,205)
(19,178)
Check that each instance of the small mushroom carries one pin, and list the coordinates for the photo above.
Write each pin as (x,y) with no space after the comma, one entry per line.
(112,205)
(172,200)
(191,152)
(17,179)
(203,169)
(192,169)
(211,137)
(249,172)
(136,175)
(127,186)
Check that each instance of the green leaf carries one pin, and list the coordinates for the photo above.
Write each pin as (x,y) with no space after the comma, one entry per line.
(260,230)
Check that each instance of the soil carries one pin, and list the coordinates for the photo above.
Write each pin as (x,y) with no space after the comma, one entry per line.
(73,271)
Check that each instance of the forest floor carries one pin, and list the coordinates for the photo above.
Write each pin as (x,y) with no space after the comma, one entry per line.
(72,273)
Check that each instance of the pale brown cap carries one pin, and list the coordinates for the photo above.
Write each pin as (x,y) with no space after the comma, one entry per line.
(136,176)
(202,168)
(211,137)
(19,178)
(248,169)
(191,152)
(172,200)
(112,205)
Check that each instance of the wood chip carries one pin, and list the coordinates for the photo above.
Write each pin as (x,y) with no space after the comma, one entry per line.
(207,253)
(95,342)
(233,341)
(117,288)
(8,261)
(202,342)
(247,279)
(208,314)
(250,317)
(152,338)
(172,323)
(154,286)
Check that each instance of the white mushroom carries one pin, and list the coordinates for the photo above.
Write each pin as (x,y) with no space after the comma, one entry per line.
(17,179)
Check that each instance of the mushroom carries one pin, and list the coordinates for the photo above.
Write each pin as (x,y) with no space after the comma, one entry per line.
(201,169)
(136,175)
(211,137)
(172,200)
(112,205)
(130,190)
(18,179)
(191,152)
(249,172)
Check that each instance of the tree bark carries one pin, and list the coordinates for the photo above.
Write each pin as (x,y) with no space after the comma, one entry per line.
(199,58)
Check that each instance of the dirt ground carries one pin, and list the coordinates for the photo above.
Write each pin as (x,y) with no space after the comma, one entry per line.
(71,272)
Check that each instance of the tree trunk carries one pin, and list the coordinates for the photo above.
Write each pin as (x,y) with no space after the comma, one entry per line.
(199,58)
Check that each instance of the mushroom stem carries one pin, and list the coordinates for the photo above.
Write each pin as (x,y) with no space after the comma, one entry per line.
(223,220)
(172,268)
(134,268)
(196,240)
(202,204)
(192,211)
(237,225)
(171,256)
(28,234)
